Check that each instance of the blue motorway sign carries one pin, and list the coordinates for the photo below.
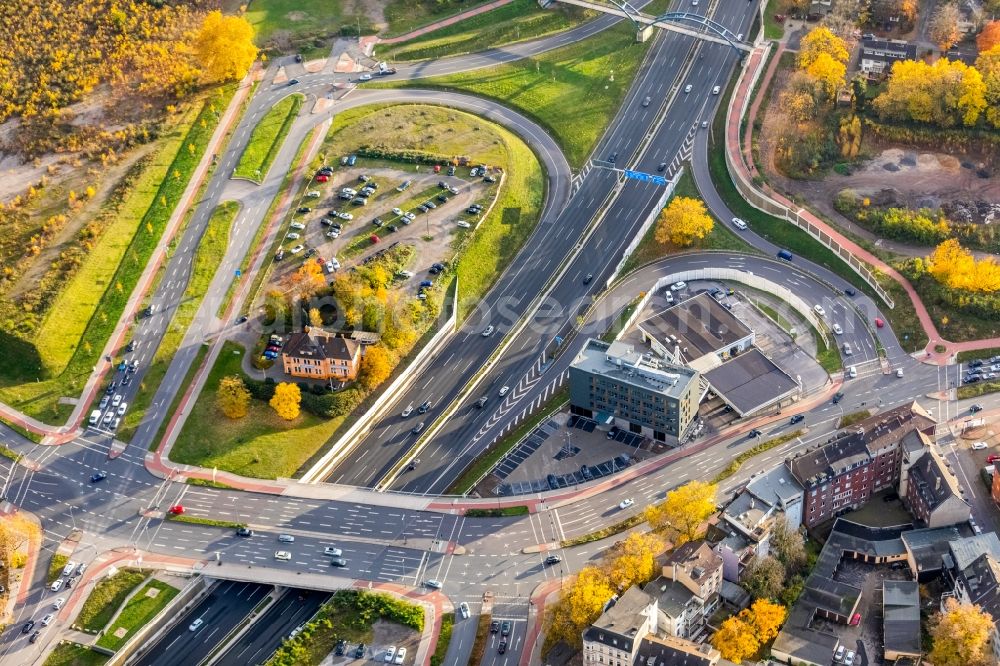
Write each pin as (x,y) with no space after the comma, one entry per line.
(645,177)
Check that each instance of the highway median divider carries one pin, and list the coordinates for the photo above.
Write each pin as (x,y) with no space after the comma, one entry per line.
(610,530)
(737,462)
(209,522)
(519,510)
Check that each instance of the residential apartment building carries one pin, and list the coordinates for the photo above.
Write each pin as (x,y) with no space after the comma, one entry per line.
(978,583)
(688,592)
(878,56)
(319,354)
(613,640)
(855,464)
(613,383)
(672,651)
(933,494)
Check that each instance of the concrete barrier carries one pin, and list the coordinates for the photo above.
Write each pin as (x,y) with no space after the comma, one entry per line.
(647,224)
(147,636)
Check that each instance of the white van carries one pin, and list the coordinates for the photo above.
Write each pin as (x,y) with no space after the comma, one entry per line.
(95,417)
(852,372)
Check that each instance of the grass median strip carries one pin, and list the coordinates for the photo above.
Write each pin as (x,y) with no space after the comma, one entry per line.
(519,510)
(266,139)
(210,522)
(610,530)
(9,453)
(978,389)
(737,462)
(206,262)
(146,604)
(105,598)
(854,417)
(444,638)
(56,566)
(74,654)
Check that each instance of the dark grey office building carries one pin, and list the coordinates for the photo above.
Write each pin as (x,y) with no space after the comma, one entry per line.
(614,384)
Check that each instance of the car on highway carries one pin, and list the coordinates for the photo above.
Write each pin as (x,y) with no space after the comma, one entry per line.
(487,332)
(407,411)
(481,402)
(463,608)
(626,503)
(47,620)
(424,408)
(494,627)
(330,551)
(899,373)
(588,278)
(338,562)
(818,309)
(196,625)
(176,509)
(837,330)
(715,90)
(662,167)
(417,429)
(975,408)
(837,397)
(463,224)
(612,157)
(979,446)
(847,349)
(390,653)
(677,286)
(739,224)
(433,584)
(59,603)
(400,656)
(282,555)
(504,390)
(879,323)
(688,88)
(505,628)
(798,418)
(28,626)
(57,584)
(552,559)
(646,101)
(286,538)
(98,476)
(244,532)
(502,647)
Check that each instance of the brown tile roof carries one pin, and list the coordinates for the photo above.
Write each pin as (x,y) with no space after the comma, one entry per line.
(320,344)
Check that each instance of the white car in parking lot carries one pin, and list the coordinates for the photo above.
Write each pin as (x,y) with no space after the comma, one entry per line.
(333,233)
(410,216)
(297,249)
(293,236)
(297,225)
(397,211)
(677,286)
(464,224)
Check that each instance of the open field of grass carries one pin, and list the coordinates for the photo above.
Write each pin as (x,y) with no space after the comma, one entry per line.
(720,238)
(520,20)
(447,132)
(260,445)
(105,599)
(141,608)
(574,91)
(74,654)
(267,137)
(772,29)
(406,15)
(302,25)
(188,378)
(86,312)
(204,265)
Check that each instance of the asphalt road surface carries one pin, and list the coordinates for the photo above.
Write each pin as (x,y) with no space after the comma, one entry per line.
(293,609)
(222,611)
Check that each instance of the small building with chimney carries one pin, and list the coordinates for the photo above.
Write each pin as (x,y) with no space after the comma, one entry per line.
(319,354)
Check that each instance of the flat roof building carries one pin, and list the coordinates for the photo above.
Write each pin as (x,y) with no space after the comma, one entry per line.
(751,383)
(694,329)
(643,395)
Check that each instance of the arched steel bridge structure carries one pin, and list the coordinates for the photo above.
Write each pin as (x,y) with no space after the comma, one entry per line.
(685,23)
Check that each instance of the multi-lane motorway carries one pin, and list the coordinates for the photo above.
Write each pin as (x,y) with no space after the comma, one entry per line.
(396,538)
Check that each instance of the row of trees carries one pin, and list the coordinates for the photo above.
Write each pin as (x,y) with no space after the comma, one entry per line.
(232,397)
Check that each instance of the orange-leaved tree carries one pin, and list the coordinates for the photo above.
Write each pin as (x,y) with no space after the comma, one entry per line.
(224,47)
(286,400)
(683,221)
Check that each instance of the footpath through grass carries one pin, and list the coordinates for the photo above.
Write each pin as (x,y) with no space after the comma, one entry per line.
(266,139)
(260,445)
(105,598)
(349,615)
(573,91)
(141,608)
(206,262)
(518,21)
(74,654)
(85,314)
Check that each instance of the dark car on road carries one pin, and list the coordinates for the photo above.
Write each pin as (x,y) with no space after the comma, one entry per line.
(338,562)
(838,397)
(98,476)
(360,651)
(502,648)
(976,408)
(505,628)
(553,559)
(244,532)
(590,276)
(28,626)
(798,418)
(494,627)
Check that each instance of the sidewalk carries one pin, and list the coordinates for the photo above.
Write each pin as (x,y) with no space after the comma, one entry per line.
(475,11)
(742,155)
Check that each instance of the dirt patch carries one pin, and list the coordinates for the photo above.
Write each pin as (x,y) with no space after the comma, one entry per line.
(296,16)
(386,633)
(373,10)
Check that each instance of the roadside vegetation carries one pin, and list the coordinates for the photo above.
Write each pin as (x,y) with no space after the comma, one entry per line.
(106,597)
(573,91)
(267,138)
(146,604)
(203,268)
(349,615)
(56,565)
(518,21)
(978,389)
(444,639)
(738,461)
(74,654)
(62,349)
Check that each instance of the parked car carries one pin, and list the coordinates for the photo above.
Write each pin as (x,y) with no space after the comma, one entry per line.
(463,224)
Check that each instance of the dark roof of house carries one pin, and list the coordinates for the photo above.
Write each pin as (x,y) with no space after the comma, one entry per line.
(981,579)
(671,651)
(618,626)
(888,52)
(901,616)
(696,557)
(930,482)
(854,446)
(672,597)
(750,381)
(701,325)
(319,344)
(928,547)
(966,550)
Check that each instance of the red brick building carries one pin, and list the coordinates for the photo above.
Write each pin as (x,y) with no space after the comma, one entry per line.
(855,464)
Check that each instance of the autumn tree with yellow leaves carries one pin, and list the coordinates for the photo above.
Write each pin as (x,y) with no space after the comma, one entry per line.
(633,562)
(224,47)
(945,93)
(579,605)
(741,636)
(823,56)
(376,366)
(683,221)
(684,510)
(961,635)
(16,530)
(988,66)
(232,397)
(286,400)
(955,267)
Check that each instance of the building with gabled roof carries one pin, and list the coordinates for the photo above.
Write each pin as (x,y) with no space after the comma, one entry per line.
(615,636)
(900,619)
(932,492)
(319,354)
